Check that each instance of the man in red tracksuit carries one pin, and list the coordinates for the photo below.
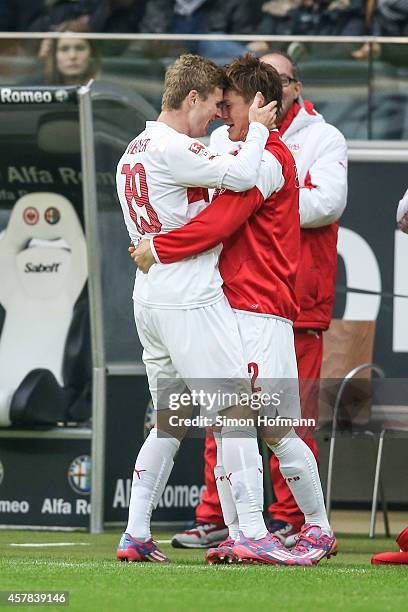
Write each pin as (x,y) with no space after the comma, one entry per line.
(320,153)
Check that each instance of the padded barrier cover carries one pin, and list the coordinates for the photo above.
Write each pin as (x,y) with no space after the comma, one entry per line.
(40,281)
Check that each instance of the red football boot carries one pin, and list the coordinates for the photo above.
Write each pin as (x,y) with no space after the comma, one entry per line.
(394,558)
(402,540)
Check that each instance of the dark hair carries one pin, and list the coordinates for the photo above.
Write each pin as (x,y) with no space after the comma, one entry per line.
(53,75)
(190,72)
(247,74)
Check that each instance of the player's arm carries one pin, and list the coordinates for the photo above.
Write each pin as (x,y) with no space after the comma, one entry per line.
(220,219)
(402,213)
(322,199)
(210,227)
(192,164)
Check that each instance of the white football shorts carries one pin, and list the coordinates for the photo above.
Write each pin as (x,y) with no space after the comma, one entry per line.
(199,348)
(269,349)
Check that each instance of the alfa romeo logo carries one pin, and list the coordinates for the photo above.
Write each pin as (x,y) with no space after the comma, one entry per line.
(79,474)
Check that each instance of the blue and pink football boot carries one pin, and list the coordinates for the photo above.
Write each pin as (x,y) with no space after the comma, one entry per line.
(266,551)
(130,549)
(314,545)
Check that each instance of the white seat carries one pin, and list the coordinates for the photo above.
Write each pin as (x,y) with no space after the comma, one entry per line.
(43,269)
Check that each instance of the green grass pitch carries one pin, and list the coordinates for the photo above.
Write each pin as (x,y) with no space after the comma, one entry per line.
(96,581)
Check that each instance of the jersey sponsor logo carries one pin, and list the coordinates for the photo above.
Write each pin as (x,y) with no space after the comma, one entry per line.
(79,474)
(31,215)
(52,215)
(49,268)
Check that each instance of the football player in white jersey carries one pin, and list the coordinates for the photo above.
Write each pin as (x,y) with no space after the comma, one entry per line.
(185,324)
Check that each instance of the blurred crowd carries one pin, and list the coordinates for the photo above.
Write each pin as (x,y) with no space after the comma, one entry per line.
(284,17)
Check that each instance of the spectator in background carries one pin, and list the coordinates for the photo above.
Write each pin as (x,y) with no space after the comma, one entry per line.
(178,16)
(18,15)
(343,18)
(119,16)
(383,18)
(202,17)
(391,18)
(277,17)
(71,61)
(229,17)
(313,17)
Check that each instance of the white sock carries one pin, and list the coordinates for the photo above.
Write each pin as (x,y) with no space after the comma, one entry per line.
(152,470)
(229,510)
(299,468)
(261,481)
(240,457)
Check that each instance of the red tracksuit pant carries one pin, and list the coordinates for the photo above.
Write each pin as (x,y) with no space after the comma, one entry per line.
(309,353)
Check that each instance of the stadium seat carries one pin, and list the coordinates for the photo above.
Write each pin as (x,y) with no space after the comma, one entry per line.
(45,367)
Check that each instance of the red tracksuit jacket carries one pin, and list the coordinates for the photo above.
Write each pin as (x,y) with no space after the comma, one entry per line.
(261,241)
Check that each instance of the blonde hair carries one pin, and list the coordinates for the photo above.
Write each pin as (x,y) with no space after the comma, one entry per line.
(187,73)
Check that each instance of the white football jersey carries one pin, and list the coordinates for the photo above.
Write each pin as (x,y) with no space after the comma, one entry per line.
(162,180)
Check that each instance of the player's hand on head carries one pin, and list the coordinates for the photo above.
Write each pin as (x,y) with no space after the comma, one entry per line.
(263,113)
(402,213)
(142,256)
